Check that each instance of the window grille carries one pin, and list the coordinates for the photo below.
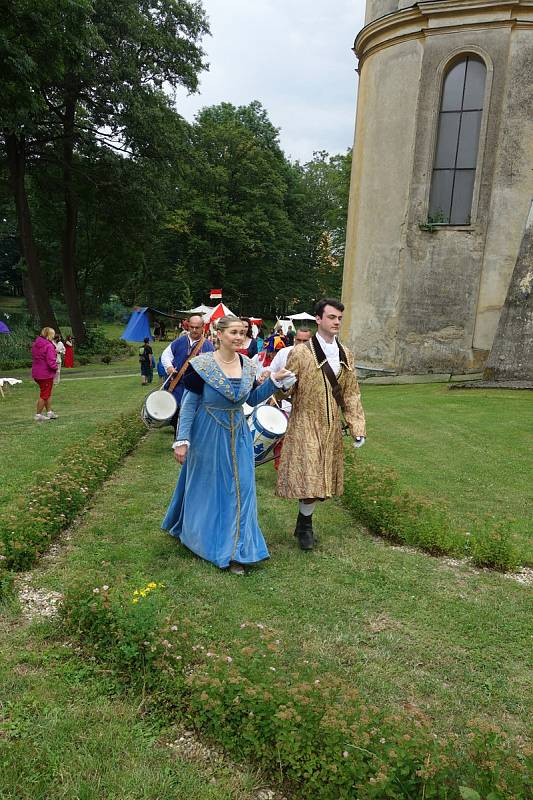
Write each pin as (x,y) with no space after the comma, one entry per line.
(454,168)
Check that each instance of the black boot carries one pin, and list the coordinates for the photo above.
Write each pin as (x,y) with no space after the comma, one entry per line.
(304,531)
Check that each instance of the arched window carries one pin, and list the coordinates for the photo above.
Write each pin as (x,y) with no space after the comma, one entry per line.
(454,170)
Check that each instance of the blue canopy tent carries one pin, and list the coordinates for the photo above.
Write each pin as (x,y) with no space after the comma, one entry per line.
(138,327)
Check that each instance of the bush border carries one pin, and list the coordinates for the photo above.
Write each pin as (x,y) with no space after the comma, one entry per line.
(57,496)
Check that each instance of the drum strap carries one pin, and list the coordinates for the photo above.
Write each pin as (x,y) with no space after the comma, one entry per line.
(179,375)
(328,372)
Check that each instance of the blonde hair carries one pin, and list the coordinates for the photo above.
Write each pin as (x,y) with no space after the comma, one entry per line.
(226,322)
(48,333)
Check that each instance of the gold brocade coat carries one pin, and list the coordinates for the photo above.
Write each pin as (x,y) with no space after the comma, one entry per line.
(312,459)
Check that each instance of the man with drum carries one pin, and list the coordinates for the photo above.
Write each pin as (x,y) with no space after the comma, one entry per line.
(175,358)
(279,361)
(312,460)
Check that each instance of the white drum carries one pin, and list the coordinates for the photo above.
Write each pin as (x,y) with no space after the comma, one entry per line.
(158,409)
(268,426)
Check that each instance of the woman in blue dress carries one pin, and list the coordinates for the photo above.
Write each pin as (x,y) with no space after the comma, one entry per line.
(213,511)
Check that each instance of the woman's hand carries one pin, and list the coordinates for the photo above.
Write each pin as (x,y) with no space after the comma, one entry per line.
(180,453)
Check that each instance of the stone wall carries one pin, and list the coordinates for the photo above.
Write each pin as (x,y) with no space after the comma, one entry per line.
(421,301)
(511,357)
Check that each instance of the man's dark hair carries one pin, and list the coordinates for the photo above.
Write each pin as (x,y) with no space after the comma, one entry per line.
(146,339)
(327,301)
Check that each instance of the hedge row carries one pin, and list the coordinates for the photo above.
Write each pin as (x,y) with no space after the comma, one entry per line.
(58,495)
(375,498)
(319,735)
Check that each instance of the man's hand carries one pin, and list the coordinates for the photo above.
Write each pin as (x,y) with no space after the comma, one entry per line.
(358,441)
(285,377)
(180,453)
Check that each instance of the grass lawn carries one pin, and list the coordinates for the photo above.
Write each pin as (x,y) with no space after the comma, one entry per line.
(27,446)
(404,628)
(409,631)
(473,449)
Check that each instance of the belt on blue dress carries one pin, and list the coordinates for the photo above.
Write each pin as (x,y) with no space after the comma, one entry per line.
(232,411)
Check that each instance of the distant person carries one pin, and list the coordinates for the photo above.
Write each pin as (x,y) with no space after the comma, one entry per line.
(276,341)
(60,353)
(157,329)
(69,352)
(175,358)
(162,331)
(290,336)
(249,344)
(146,355)
(43,370)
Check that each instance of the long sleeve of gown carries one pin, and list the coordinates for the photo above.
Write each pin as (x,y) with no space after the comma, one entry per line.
(262,392)
(189,405)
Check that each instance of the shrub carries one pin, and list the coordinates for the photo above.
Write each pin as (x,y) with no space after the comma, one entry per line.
(99,346)
(113,310)
(52,503)
(15,347)
(375,498)
(319,734)
(491,545)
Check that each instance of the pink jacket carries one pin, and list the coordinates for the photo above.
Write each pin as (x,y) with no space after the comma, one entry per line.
(43,359)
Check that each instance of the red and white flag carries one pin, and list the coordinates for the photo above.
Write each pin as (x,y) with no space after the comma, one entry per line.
(215,294)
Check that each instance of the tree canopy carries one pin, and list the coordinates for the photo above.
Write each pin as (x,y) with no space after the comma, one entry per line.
(112,192)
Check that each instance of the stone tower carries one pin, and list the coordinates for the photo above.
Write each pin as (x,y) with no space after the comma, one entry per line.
(442,179)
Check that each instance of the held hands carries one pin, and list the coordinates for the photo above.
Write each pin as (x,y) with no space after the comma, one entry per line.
(285,377)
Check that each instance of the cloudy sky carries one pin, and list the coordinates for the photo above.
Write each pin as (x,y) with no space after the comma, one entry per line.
(295,57)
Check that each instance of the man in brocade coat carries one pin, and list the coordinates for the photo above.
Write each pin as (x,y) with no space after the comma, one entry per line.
(312,460)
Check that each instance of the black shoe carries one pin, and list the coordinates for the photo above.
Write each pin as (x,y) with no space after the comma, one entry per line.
(304,531)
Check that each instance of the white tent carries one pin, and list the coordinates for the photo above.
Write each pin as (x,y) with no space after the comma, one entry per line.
(302,315)
(205,311)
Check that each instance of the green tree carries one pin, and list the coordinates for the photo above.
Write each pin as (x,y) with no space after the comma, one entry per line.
(322,213)
(86,71)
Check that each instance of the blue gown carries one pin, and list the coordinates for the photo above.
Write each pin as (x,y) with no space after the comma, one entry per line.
(213,511)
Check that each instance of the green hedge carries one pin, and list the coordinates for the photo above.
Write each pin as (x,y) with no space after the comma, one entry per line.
(319,735)
(376,499)
(58,495)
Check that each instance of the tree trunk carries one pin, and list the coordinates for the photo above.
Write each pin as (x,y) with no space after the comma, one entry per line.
(33,281)
(70,227)
(27,291)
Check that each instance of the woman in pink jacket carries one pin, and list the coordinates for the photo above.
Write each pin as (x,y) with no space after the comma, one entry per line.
(43,369)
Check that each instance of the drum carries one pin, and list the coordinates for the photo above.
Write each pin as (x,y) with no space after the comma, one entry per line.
(268,426)
(158,409)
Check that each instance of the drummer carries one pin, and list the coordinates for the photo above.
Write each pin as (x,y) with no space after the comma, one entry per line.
(279,361)
(175,358)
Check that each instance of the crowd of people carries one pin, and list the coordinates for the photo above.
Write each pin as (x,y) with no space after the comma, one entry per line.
(213,376)
(213,510)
